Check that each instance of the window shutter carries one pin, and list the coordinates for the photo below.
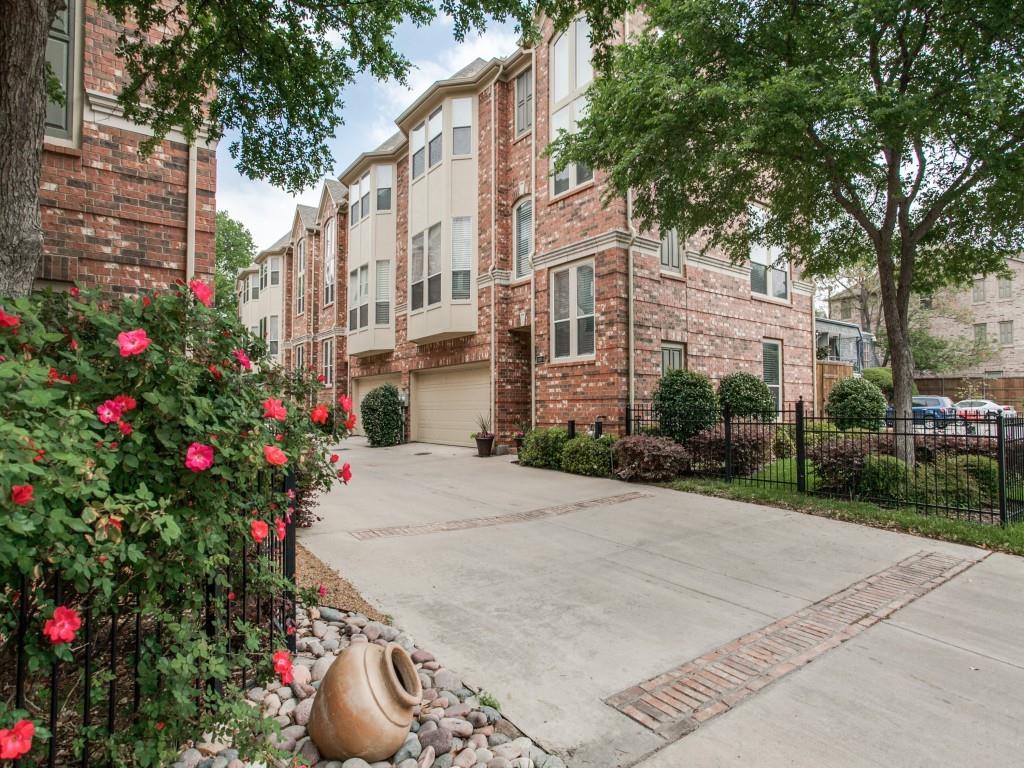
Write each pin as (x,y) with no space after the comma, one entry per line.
(524,235)
(462,256)
(382,304)
(585,290)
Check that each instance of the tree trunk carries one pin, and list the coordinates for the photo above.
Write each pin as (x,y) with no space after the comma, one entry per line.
(895,307)
(23,36)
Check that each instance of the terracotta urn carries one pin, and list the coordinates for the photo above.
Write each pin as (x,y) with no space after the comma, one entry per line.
(365,703)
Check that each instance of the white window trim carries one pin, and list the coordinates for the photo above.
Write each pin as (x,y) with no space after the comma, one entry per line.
(330,262)
(517,275)
(417,134)
(427,304)
(422,275)
(327,351)
(782,368)
(439,114)
(300,277)
(574,318)
(574,101)
(673,345)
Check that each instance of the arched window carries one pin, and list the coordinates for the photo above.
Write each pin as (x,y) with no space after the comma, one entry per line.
(522,236)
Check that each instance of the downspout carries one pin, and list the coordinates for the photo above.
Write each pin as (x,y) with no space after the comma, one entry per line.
(190,225)
(630,310)
(533,241)
(494,238)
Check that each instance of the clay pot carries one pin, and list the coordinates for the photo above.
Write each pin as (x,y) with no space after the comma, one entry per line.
(365,703)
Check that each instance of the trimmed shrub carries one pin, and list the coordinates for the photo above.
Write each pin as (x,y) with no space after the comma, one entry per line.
(783,441)
(945,483)
(647,459)
(685,403)
(746,395)
(751,450)
(381,412)
(818,431)
(586,455)
(881,378)
(840,462)
(543,448)
(884,478)
(856,402)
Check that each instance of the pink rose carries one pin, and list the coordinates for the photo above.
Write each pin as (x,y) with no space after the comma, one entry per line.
(202,291)
(108,412)
(133,342)
(199,457)
(274,455)
(243,359)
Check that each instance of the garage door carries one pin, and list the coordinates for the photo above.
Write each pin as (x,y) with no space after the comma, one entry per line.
(361,386)
(447,403)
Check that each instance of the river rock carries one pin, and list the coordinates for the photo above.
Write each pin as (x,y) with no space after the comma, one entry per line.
(439,739)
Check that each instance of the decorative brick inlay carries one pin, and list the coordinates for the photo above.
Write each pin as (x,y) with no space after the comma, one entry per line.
(483,522)
(676,702)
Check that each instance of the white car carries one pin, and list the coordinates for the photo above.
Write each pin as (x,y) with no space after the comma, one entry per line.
(983,409)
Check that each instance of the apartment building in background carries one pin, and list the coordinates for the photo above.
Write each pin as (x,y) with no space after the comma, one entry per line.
(110,217)
(468,274)
(259,290)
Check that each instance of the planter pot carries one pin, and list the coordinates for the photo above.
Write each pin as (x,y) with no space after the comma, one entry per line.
(483,445)
(365,703)
(519,443)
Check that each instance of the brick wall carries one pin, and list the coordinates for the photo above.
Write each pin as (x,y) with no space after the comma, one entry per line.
(111,217)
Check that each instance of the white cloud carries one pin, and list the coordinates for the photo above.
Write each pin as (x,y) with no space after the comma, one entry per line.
(266,210)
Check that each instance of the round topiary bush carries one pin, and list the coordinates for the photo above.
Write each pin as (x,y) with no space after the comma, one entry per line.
(685,403)
(586,455)
(543,448)
(381,412)
(746,395)
(856,402)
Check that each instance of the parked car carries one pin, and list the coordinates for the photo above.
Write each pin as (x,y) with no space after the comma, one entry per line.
(931,411)
(983,409)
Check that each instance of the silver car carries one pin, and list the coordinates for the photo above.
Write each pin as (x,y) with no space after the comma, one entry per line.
(983,409)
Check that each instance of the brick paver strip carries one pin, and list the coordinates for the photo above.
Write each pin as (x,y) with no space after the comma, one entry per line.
(483,522)
(675,702)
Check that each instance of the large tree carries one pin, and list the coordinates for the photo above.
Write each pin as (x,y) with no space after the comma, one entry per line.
(274,71)
(882,131)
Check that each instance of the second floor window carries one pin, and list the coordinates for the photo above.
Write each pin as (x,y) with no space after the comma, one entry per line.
(254,287)
(434,140)
(524,102)
(300,277)
(434,265)
(1006,332)
(330,250)
(60,55)
(769,271)
(670,258)
(980,334)
(353,204)
(1005,288)
(572,311)
(522,223)
(462,257)
(382,293)
(263,275)
(383,187)
(979,290)
(275,270)
(364,196)
(462,126)
(416,253)
(328,350)
(417,150)
(571,74)
(273,335)
(359,298)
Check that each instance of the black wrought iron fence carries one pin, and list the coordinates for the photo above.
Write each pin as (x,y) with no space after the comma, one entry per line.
(85,700)
(967,468)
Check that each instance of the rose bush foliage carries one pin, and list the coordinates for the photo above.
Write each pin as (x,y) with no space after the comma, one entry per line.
(142,430)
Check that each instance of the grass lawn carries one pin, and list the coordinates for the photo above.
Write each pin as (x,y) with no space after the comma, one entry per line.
(1009,539)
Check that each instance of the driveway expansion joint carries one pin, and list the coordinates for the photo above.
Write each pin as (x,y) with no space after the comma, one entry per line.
(526,516)
(675,703)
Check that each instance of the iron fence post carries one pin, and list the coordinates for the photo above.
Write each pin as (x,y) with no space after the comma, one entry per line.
(572,428)
(598,428)
(801,448)
(1001,462)
(289,570)
(727,422)
(629,420)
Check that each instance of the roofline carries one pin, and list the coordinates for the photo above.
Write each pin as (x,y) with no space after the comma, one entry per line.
(443,86)
(357,166)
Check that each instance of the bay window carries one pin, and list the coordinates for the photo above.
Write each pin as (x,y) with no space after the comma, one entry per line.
(572,311)
(462,126)
(434,145)
(383,187)
(273,335)
(571,74)
(462,256)
(416,271)
(382,293)
(330,247)
(434,265)
(417,151)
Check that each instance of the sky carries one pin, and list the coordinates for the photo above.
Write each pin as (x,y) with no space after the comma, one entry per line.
(369,112)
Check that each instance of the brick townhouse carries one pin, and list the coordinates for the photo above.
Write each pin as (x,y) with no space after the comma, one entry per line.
(482,285)
(110,217)
(259,289)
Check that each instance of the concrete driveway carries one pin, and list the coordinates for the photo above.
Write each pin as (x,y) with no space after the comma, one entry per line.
(574,600)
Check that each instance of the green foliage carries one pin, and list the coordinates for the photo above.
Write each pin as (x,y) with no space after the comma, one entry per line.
(543,448)
(273,74)
(783,442)
(750,448)
(647,459)
(487,700)
(856,402)
(586,455)
(117,514)
(685,403)
(746,395)
(881,378)
(381,412)
(884,478)
(234,250)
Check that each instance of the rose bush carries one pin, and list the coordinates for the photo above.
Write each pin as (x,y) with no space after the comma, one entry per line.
(144,444)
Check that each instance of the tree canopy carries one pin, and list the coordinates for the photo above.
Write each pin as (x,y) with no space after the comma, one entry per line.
(235,250)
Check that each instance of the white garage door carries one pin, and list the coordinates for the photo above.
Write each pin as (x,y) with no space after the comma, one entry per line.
(447,404)
(361,386)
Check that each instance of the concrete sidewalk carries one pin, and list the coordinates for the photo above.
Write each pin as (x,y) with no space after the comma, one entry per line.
(557,613)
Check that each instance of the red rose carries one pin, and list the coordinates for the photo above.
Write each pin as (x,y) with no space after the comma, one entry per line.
(259,530)
(274,409)
(9,321)
(202,291)
(199,457)
(274,455)
(280,528)
(125,427)
(279,437)
(350,422)
(74,345)
(346,403)
(73,290)
(21,494)
(321,378)
(126,402)
(321,590)
(319,415)
(146,301)
(243,359)
(283,666)
(109,412)
(334,458)
(133,342)
(63,626)
(214,371)
(17,741)
(345,474)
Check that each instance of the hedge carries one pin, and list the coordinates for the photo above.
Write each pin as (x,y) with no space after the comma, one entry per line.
(586,455)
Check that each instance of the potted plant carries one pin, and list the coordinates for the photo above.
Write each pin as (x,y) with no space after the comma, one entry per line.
(484,437)
(519,437)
